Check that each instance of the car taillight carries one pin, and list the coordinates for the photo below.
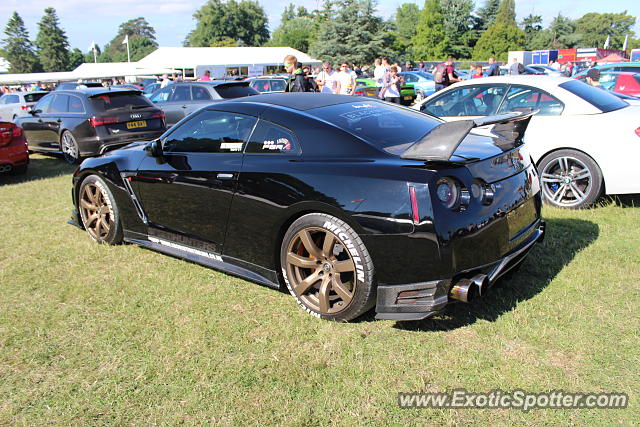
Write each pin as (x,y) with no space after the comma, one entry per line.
(638,131)
(101,121)
(17,131)
(24,107)
(6,134)
(159,115)
(415,214)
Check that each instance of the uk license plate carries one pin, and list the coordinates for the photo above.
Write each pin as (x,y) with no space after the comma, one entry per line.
(138,124)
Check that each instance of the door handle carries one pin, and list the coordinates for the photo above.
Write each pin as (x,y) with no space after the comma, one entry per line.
(39,120)
(224,176)
(59,120)
(184,106)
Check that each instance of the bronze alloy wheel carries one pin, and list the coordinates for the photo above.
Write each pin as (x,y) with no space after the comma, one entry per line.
(321,270)
(95,210)
(98,211)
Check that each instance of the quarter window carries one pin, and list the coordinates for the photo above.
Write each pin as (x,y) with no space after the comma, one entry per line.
(211,132)
(278,85)
(200,93)
(75,105)
(269,138)
(519,98)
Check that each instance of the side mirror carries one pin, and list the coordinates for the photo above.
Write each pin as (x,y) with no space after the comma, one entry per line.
(34,112)
(154,148)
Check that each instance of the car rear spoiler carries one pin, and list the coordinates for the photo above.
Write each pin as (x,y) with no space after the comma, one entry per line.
(442,142)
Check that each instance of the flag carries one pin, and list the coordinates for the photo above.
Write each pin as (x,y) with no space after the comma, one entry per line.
(606,43)
(126,39)
(92,46)
(626,40)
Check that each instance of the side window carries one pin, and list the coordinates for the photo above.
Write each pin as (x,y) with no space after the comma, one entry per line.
(162,95)
(180,93)
(211,132)
(278,85)
(260,85)
(3,99)
(410,78)
(269,138)
(200,93)
(12,99)
(75,105)
(60,104)
(526,97)
(466,101)
(43,104)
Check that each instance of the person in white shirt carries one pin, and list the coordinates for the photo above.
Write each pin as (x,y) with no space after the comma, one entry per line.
(326,79)
(165,81)
(378,74)
(346,80)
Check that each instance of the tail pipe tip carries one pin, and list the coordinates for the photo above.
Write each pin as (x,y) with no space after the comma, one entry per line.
(466,290)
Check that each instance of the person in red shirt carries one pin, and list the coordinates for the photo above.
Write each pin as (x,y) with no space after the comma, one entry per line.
(478,72)
(450,75)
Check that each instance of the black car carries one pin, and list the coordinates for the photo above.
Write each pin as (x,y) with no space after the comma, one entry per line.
(178,100)
(74,85)
(348,202)
(88,122)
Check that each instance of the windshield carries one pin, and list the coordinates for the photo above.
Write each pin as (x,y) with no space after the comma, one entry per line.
(599,98)
(385,126)
(114,100)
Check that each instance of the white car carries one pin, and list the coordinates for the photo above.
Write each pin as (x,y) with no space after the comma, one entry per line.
(585,140)
(17,104)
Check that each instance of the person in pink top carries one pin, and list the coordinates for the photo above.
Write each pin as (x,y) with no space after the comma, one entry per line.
(206,77)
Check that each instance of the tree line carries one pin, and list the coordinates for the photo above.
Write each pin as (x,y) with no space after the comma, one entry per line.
(345,30)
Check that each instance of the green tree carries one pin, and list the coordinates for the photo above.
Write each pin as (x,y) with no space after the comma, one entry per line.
(431,41)
(532,26)
(245,21)
(503,36)
(459,25)
(76,57)
(487,14)
(355,34)
(292,12)
(51,43)
(16,47)
(595,27)
(297,33)
(142,41)
(562,33)
(406,20)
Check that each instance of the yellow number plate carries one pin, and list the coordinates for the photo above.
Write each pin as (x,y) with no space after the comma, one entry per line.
(407,98)
(138,124)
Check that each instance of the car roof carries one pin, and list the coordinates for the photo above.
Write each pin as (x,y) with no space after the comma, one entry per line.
(302,101)
(213,82)
(543,82)
(95,91)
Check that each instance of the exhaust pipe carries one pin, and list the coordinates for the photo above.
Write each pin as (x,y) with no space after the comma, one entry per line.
(481,281)
(465,290)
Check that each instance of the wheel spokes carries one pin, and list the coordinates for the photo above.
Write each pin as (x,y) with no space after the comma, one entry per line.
(338,287)
(582,174)
(548,177)
(323,295)
(344,266)
(304,285)
(309,244)
(300,261)
(327,247)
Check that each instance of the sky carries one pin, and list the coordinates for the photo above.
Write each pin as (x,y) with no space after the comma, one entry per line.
(86,21)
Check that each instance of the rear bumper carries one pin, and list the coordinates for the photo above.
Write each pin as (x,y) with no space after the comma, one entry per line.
(416,301)
(15,154)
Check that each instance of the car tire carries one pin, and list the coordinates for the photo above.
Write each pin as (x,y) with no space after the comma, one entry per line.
(69,147)
(570,179)
(98,210)
(330,279)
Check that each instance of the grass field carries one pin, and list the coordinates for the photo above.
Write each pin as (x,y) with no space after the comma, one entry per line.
(92,334)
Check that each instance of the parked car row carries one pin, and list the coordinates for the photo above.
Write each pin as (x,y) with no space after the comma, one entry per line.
(584,140)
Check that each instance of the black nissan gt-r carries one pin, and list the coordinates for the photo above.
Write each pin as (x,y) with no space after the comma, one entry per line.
(348,202)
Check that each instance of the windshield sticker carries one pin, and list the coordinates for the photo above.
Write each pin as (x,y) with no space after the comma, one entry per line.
(282,144)
(231,146)
(361,114)
(363,105)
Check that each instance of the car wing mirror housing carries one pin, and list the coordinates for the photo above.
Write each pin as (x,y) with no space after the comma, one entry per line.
(34,112)
(154,149)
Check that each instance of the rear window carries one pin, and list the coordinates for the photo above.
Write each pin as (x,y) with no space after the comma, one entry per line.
(383,125)
(33,97)
(599,98)
(235,91)
(112,101)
